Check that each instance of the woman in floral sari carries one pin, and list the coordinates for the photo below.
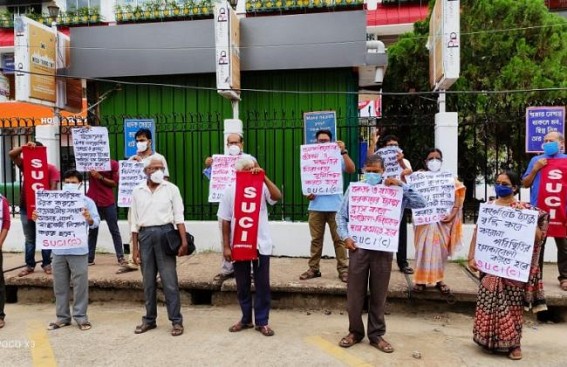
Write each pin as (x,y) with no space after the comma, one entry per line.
(435,242)
(500,302)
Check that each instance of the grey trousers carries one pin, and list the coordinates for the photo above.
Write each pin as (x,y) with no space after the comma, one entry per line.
(155,260)
(71,270)
(373,269)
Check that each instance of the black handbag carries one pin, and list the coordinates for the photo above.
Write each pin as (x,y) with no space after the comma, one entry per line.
(172,242)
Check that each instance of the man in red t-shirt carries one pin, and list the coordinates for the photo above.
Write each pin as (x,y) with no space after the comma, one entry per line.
(29,225)
(101,185)
(5,219)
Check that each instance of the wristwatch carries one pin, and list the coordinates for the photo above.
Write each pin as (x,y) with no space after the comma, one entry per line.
(344,151)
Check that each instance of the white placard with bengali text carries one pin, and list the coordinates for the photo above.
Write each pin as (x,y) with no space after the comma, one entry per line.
(374,216)
(438,189)
(505,241)
(391,166)
(91,148)
(60,223)
(131,174)
(222,175)
(321,169)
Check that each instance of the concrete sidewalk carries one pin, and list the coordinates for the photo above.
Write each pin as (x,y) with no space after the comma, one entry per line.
(196,275)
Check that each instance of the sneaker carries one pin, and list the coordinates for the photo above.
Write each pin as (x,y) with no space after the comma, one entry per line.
(310,274)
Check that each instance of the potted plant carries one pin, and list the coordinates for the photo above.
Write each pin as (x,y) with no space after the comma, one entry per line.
(94,14)
(187,7)
(83,14)
(128,12)
(118,12)
(137,12)
(6,19)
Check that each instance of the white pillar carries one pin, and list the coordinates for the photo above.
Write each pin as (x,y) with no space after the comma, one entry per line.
(48,135)
(231,126)
(446,139)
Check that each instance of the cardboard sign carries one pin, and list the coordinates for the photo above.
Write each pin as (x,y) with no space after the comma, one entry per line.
(91,148)
(222,175)
(505,241)
(391,166)
(60,223)
(438,189)
(131,127)
(247,203)
(131,175)
(540,121)
(552,196)
(315,121)
(321,169)
(34,166)
(374,216)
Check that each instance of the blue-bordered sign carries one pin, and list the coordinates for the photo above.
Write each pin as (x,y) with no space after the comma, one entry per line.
(131,126)
(539,122)
(315,121)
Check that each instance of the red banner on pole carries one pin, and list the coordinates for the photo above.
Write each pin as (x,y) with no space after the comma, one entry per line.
(552,195)
(34,167)
(247,203)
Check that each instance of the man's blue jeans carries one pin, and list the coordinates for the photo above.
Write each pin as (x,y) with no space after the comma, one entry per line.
(110,215)
(28,226)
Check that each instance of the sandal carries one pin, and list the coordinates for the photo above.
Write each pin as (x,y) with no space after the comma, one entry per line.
(382,345)
(310,274)
(344,277)
(349,340)
(265,330)
(57,325)
(140,329)
(177,330)
(85,326)
(48,270)
(443,288)
(418,288)
(515,353)
(563,285)
(220,277)
(239,326)
(26,271)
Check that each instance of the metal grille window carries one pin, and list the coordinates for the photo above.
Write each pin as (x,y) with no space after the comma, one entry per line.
(77,4)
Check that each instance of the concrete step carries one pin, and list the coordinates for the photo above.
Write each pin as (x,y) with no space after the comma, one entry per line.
(197,286)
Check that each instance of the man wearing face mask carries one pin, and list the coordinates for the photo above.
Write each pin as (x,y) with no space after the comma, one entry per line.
(234,147)
(553,147)
(369,270)
(323,210)
(156,208)
(70,266)
(144,154)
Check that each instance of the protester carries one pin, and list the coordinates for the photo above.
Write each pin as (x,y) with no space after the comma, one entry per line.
(553,146)
(5,218)
(435,242)
(500,302)
(27,224)
(261,266)
(101,185)
(156,208)
(402,254)
(370,265)
(144,154)
(70,266)
(323,210)
(235,146)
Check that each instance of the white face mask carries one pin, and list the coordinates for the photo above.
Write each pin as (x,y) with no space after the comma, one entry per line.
(71,186)
(434,165)
(142,146)
(157,176)
(234,150)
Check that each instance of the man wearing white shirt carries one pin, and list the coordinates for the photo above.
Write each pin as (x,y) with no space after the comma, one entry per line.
(156,207)
(261,266)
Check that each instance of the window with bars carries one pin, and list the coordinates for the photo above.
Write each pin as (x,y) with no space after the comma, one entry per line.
(78,4)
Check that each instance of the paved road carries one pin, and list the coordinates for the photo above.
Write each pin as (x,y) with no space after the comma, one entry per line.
(303,338)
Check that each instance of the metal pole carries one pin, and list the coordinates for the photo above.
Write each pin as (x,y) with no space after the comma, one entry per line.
(235,111)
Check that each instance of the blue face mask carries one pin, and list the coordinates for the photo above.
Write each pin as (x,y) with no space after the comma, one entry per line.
(503,191)
(372,178)
(551,148)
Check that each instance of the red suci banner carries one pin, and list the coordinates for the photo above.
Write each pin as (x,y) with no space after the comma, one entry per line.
(552,196)
(247,203)
(34,167)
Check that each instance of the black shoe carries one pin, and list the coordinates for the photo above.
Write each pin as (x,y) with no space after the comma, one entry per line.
(406,270)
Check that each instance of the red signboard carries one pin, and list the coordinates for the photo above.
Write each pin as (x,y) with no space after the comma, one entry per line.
(552,196)
(34,167)
(247,203)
